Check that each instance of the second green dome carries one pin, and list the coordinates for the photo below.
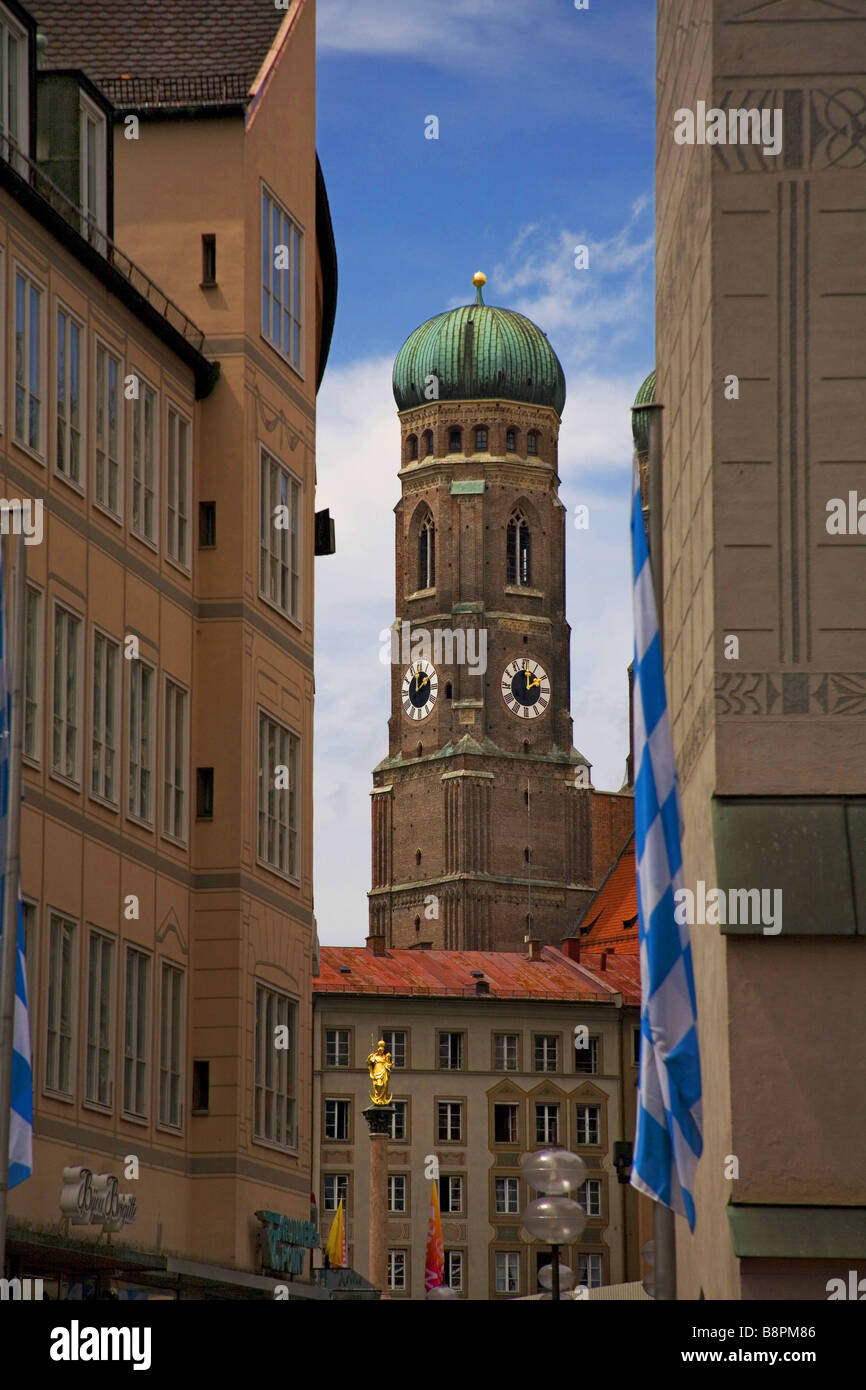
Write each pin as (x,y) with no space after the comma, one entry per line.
(479,352)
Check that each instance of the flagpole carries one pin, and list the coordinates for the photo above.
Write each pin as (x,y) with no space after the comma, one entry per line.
(13,657)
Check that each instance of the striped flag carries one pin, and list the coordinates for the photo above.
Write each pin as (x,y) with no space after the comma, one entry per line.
(668,1136)
(434,1264)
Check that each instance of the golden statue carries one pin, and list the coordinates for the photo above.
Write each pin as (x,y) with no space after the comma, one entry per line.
(379,1064)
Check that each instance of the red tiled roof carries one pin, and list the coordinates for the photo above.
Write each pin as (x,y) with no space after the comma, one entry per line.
(510,974)
(610,921)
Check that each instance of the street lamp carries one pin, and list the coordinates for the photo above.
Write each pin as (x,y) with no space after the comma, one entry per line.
(554,1217)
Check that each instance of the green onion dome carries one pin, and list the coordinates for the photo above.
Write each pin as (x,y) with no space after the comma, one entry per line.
(640,418)
(478,352)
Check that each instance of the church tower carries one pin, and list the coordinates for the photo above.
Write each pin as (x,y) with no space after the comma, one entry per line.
(482,810)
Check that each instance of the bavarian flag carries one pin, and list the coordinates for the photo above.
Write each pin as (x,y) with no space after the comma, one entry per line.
(434,1265)
(335,1247)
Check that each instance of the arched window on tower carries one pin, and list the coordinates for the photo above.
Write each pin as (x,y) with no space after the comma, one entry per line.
(427,553)
(412,446)
(531,442)
(518,569)
(455,441)
(481,439)
(510,441)
(428,443)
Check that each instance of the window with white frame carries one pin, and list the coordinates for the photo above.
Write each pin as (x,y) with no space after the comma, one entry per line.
(505,1051)
(282,280)
(589,1196)
(449,1121)
(451,1194)
(69,412)
(454,1270)
(397,1265)
(337,1047)
(546,1123)
(177,487)
(399,1119)
(109,435)
(174,758)
(93,170)
(396,1193)
(451,1051)
(505,1196)
(274,1101)
(136,1013)
(589,1271)
(546,1052)
(29,362)
(60,1005)
(395,1043)
(586,1058)
(141,713)
(507,1270)
(279,536)
(338,1115)
(145,446)
(32,734)
(588,1117)
(506,1122)
(97,1071)
(103,739)
(14,90)
(278,800)
(335,1188)
(67,681)
(171,1045)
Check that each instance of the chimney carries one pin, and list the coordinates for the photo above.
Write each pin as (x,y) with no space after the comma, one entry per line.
(535,949)
(376,944)
(571,947)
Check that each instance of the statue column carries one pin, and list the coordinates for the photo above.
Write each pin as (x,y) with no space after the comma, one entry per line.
(379,1118)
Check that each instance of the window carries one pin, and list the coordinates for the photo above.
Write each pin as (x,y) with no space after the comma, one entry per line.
(204,793)
(174,762)
(427,553)
(455,441)
(335,1190)
(97,1075)
(412,446)
(208,260)
(428,443)
(278,797)
(33,674)
(337,1114)
(588,1124)
(510,441)
(451,1195)
(29,912)
(546,1052)
(517,549)
(397,1260)
(450,1051)
(546,1123)
(279,536)
(103,739)
(589,1271)
(206,525)
(145,442)
(507,1266)
(531,442)
(635,1047)
(141,679)
(481,440)
(109,377)
(135,1032)
(282,280)
(274,1104)
(337,1047)
(505,1051)
(29,394)
(59,1014)
(200,1086)
(586,1058)
(67,644)
(171,1046)
(505,1196)
(93,174)
(396,1192)
(505,1123)
(399,1119)
(454,1270)
(70,336)
(450,1121)
(177,477)
(14,127)
(395,1043)
(589,1196)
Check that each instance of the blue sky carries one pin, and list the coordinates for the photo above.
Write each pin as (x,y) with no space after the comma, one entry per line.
(546,142)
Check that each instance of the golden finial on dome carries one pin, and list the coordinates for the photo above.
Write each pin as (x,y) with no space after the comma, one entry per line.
(479,278)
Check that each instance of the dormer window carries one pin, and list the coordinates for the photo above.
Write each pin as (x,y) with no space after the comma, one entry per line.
(93,134)
(14,89)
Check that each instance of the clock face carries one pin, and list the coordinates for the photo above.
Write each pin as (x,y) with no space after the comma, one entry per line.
(526,688)
(419,689)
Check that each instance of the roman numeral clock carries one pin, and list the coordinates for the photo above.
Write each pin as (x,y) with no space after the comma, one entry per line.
(526,688)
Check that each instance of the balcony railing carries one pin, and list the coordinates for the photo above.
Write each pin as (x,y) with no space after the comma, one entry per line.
(87,227)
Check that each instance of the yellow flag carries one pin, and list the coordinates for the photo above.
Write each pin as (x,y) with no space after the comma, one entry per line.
(335,1248)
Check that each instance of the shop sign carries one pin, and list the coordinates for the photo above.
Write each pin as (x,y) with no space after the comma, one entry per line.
(285,1241)
(93,1199)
